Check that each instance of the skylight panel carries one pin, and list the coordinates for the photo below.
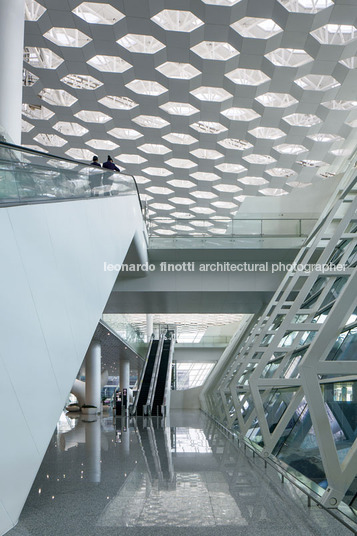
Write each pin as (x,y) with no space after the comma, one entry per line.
(175,20)
(240,114)
(95,13)
(208,127)
(247,77)
(150,121)
(141,44)
(215,50)
(67,37)
(92,116)
(119,103)
(146,87)
(42,58)
(175,69)
(109,64)
(256,28)
(57,97)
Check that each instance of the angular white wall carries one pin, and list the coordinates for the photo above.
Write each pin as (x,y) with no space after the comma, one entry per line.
(53,290)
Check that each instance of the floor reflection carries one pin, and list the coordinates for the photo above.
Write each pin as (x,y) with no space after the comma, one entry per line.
(111,475)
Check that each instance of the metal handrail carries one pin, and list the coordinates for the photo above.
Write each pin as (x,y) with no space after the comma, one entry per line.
(142,374)
(204,231)
(13,147)
(167,393)
(310,494)
(155,373)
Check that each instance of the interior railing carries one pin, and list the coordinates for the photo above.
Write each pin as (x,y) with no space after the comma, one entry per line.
(28,176)
(225,227)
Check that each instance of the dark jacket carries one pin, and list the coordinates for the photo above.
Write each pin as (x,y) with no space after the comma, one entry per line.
(110,165)
(95,164)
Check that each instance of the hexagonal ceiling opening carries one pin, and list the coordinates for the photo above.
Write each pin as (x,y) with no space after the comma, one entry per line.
(206,106)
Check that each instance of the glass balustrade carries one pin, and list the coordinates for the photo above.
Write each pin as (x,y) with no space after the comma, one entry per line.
(33,177)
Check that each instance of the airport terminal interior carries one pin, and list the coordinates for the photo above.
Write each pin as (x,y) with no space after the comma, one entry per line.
(178,282)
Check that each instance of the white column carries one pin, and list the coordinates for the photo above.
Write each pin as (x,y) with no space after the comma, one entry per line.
(124,375)
(93,451)
(93,375)
(125,436)
(149,325)
(12,16)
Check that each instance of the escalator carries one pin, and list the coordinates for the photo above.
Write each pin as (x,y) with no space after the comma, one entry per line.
(32,177)
(162,378)
(142,395)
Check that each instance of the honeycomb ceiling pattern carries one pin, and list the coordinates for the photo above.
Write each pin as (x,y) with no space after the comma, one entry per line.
(205,102)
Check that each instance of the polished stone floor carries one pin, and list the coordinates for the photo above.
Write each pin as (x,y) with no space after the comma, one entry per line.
(126,478)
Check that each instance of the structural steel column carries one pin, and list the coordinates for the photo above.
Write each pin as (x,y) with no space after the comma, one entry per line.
(12,22)
(93,375)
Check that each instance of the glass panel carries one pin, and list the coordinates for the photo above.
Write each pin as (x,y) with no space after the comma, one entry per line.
(247,408)
(341,406)
(307,337)
(353,318)
(298,449)
(269,369)
(281,227)
(338,252)
(267,340)
(321,317)
(274,409)
(298,319)
(132,336)
(335,290)
(246,227)
(288,339)
(246,374)
(36,177)
(352,259)
(189,375)
(345,347)
(277,322)
(316,287)
(290,369)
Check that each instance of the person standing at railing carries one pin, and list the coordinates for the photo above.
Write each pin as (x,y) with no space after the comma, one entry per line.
(109,164)
(95,162)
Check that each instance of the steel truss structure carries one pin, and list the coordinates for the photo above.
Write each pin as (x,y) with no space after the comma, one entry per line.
(291,387)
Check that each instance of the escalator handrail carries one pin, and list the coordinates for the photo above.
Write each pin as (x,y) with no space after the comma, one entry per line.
(20,148)
(167,392)
(142,374)
(155,372)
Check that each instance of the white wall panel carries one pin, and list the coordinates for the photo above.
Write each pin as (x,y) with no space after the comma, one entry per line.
(186,399)
(53,290)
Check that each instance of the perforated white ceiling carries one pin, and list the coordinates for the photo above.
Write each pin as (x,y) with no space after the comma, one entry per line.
(204,101)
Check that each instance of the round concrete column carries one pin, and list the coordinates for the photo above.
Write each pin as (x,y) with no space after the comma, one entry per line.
(124,375)
(93,375)
(93,450)
(12,22)
(149,325)
(125,436)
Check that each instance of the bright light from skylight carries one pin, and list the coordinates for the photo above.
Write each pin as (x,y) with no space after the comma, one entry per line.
(175,20)
(95,13)
(141,44)
(109,64)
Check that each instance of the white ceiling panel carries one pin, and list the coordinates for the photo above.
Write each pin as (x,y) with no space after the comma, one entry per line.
(199,100)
